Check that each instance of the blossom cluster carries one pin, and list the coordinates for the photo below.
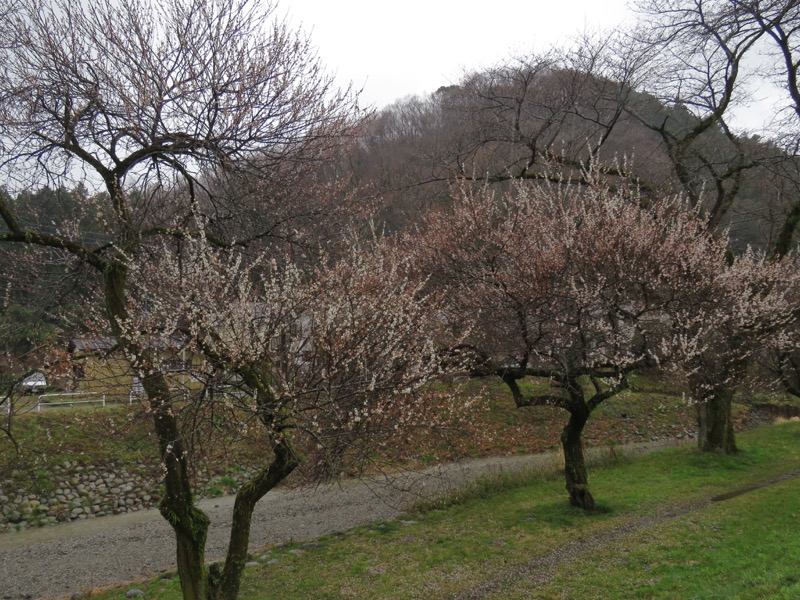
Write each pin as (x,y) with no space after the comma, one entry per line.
(599,279)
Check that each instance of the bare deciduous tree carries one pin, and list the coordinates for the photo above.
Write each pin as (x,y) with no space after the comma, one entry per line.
(157,105)
(510,121)
(695,66)
(705,58)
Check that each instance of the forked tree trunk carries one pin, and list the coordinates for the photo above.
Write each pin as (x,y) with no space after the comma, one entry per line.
(574,463)
(715,422)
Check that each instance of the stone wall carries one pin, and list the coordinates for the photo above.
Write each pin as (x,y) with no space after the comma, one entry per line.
(70,492)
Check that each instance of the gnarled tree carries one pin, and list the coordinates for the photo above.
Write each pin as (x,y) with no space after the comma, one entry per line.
(157,104)
(579,285)
(326,360)
(750,305)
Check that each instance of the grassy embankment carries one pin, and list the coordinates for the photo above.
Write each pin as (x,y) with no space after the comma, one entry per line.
(654,407)
(502,530)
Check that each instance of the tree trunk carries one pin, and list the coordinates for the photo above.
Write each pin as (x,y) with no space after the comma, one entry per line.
(189,523)
(715,422)
(177,506)
(574,464)
(190,534)
(227,587)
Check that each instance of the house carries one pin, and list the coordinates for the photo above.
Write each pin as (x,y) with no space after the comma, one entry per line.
(99,365)
(35,383)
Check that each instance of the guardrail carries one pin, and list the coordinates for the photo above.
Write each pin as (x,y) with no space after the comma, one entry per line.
(70,403)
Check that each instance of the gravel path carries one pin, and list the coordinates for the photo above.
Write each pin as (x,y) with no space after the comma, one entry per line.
(59,561)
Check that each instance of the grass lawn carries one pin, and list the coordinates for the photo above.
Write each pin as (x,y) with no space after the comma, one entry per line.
(511,532)
(745,547)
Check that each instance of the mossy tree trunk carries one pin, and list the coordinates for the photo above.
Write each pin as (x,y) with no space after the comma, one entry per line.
(713,386)
(189,523)
(574,401)
(715,421)
(226,586)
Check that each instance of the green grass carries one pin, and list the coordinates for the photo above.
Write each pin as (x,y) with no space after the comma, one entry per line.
(88,435)
(121,435)
(744,547)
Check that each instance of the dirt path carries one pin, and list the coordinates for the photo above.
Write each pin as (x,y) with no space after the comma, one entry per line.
(61,560)
(542,569)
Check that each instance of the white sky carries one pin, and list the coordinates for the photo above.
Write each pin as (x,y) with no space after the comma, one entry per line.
(394,49)
(391,50)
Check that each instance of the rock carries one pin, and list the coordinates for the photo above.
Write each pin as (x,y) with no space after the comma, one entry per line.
(77,596)
(134,593)
(252,564)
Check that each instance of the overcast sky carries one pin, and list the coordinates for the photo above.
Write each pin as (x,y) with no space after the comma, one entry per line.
(394,49)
